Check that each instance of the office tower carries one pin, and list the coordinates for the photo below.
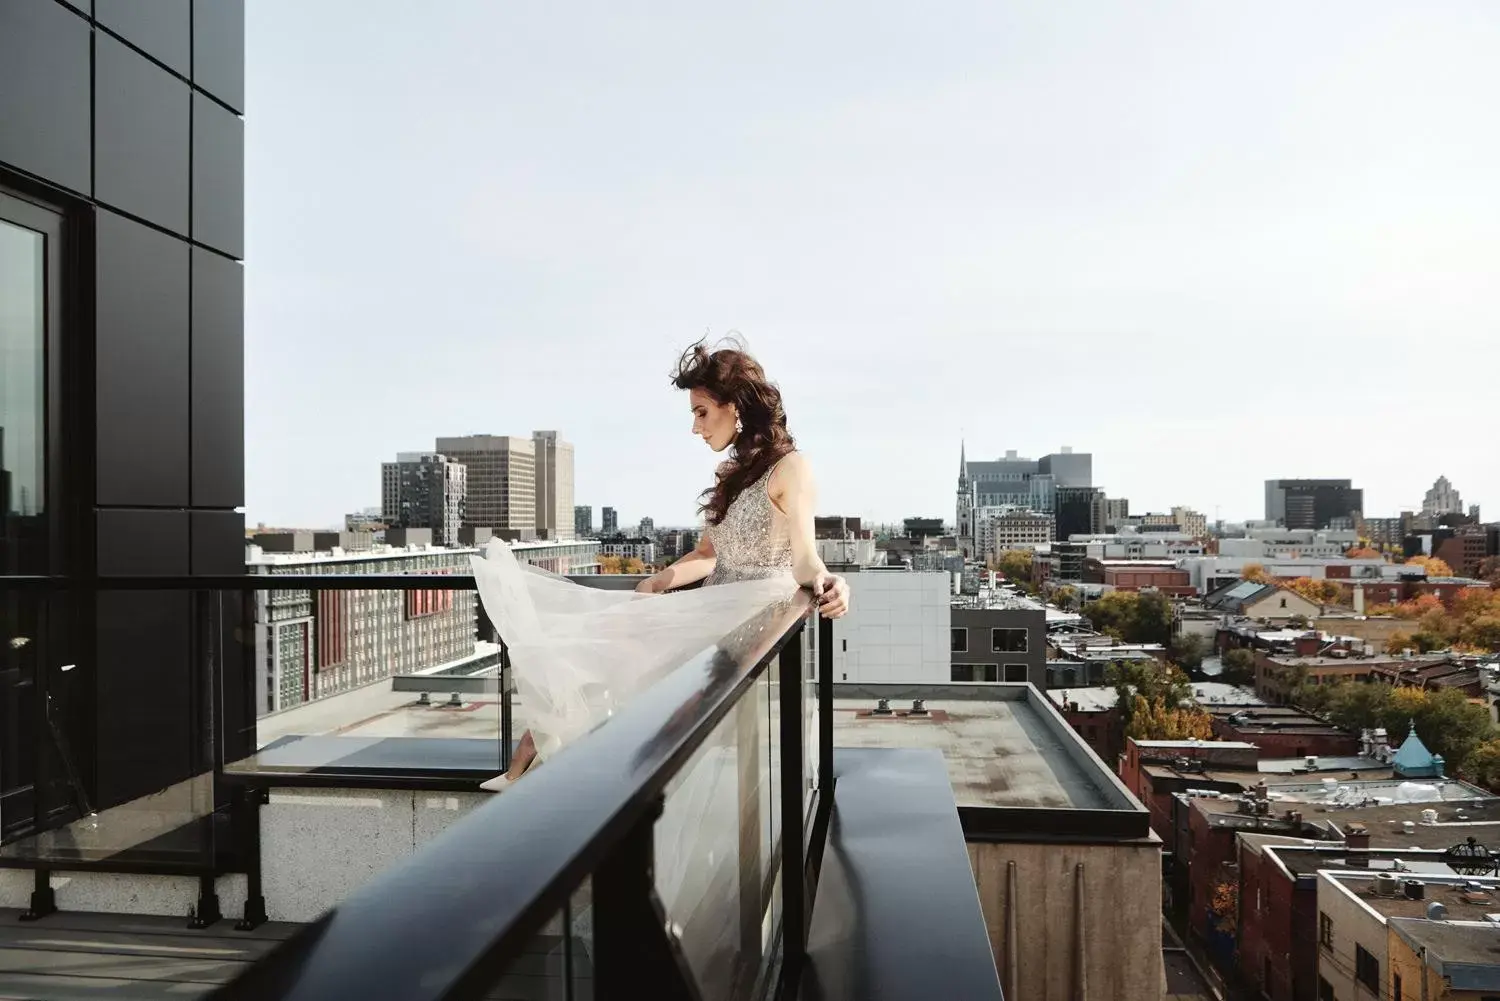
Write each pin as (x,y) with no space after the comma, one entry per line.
(424,490)
(554,485)
(502,484)
(1314,504)
(1079,511)
(647,528)
(583,521)
(1442,499)
(611,524)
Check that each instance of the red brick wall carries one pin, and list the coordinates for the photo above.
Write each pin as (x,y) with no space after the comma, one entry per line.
(1278,923)
(1290,745)
(1102,730)
(1212,847)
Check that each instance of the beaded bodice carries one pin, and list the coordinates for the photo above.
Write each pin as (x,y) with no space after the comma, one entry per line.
(752,542)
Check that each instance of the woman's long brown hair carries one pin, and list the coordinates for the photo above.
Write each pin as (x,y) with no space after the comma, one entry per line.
(731,376)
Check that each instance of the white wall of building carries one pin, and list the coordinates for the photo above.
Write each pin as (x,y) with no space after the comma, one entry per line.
(896,631)
(859,551)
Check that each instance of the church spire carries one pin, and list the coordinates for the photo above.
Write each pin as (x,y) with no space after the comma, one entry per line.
(963,463)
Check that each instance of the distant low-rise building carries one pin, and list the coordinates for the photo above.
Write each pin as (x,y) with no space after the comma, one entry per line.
(1254,600)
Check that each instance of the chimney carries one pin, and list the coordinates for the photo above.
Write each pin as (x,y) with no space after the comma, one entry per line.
(1357,838)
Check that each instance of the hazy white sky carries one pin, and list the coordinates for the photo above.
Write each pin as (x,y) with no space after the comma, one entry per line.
(1211,243)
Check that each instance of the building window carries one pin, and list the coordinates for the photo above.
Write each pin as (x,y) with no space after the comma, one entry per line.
(1009,640)
(1325,930)
(1325,991)
(976,672)
(1395,987)
(1016,672)
(958,641)
(963,672)
(1367,969)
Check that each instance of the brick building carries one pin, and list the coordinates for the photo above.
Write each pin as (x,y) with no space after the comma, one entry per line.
(1139,575)
(1283,732)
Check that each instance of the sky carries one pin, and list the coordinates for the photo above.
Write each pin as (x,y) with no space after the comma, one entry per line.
(1210,243)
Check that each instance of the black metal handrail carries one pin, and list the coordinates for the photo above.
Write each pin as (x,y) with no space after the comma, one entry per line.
(446,923)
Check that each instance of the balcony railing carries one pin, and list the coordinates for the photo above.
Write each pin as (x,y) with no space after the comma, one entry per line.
(583,880)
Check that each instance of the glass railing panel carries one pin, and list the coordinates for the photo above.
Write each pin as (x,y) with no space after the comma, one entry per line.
(379,683)
(151,799)
(556,963)
(714,860)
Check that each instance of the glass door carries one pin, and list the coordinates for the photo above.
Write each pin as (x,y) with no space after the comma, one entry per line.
(30,529)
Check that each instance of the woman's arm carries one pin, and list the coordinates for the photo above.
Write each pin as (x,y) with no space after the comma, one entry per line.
(795,495)
(693,567)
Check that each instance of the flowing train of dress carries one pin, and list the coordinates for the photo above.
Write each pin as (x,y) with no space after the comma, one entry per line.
(578,654)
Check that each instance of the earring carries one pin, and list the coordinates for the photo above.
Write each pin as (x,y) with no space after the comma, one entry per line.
(739,425)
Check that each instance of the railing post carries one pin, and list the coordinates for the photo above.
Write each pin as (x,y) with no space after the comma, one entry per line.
(505,706)
(794,903)
(825,711)
(634,954)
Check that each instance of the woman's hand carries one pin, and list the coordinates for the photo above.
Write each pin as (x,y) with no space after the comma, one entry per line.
(647,586)
(833,595)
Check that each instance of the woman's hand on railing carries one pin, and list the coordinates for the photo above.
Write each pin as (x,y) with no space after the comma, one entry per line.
(832,592)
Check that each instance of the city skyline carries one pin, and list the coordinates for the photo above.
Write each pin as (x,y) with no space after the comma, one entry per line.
(1180,237)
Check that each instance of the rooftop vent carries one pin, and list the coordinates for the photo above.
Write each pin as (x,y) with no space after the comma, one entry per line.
(454,702)
(918,707)
(1386,884)
(1436,912)
(1415,889)
(882,707)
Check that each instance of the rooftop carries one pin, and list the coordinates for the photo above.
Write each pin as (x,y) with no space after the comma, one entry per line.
(1002,748)
(1466,954)
(1472,903)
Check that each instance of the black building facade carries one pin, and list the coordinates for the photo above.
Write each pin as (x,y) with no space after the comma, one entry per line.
(1079,511)
(121,302)
(1314,504)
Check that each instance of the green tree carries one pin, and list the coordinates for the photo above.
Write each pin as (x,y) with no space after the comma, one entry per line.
(1187,652)
(1015,564)
(1483,766)
(1134,617)
(1239,667)
(1358,705)
(1065,598)
(1155,701)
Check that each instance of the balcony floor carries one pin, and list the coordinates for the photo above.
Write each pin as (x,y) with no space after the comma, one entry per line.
(72,956)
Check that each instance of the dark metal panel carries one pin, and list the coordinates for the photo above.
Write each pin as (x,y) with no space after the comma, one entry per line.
(142,542)
(898,914)
(218,542)
(142,120)
(145,703)
(1030,824)
(219,49)
(142,342)
(44,92)
(218,177)
(161,28)
(218,385)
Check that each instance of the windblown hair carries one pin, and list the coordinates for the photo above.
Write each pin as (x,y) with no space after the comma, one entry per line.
(730,375)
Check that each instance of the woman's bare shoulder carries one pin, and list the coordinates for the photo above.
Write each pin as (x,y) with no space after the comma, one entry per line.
(793,468)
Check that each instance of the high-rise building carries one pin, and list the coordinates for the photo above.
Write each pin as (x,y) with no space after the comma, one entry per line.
(424,490)
(647,528)
(1442,499)
(1190,522)
(501,480)
(554,485)
(1079,511)
(1018,483)
(1314,504)
(1116,510)
(583,520)
(611,525)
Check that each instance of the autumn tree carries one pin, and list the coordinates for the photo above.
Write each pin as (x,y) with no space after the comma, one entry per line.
(1238,667)
(1489,569)
(1155,702)
(1322,592)
(1015,564)
(1434,566)
(1133,616)
(1363,553)
(1448,723)
(1483,766)
(1257,573)
(1065,598)
(621,565)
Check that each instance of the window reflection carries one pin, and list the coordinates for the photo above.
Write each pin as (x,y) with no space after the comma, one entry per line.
(22,374)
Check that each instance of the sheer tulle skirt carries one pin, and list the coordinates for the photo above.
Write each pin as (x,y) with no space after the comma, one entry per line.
(578,654)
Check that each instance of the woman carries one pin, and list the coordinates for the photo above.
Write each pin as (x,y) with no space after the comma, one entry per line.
(758,540)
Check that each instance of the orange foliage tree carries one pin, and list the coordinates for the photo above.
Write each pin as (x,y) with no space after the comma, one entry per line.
(1434,566)
(1323,592)
(1363,553)
(1257,573)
